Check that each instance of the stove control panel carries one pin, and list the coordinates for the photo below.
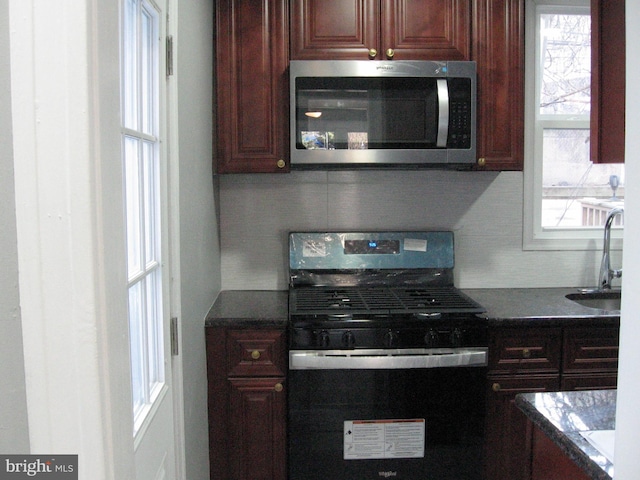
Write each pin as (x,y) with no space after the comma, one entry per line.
(388,337)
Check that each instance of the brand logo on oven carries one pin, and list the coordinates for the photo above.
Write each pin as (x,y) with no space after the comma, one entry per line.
(387,474)
(386,68)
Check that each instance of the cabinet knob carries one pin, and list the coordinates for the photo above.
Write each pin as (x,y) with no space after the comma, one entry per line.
(372,53)
(278,387)
(482,162)
(526,353)
(280,163)
(255,354)
(496,387)
(390,53)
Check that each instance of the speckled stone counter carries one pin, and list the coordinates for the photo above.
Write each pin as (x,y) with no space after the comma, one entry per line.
(505,307)
(563,415)
(249,308)
(538,306)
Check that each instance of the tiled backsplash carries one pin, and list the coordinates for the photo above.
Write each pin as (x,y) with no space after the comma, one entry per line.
(484,209)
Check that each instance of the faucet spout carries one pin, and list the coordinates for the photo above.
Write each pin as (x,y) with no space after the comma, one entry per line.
(606,272)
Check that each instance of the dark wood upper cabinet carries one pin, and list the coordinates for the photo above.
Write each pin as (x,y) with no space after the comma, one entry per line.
(607,81)
(380,29)
(498,49)
(251,84)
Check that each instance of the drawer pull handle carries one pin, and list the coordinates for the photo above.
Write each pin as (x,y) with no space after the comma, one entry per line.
(526,353)
(496,387)
(255,354)
(278,387)
(373,52)
(390,53)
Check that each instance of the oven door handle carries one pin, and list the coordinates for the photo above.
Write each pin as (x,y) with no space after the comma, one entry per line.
(387,358)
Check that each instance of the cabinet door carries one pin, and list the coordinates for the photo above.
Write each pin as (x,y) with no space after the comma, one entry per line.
(426,29)
(498,46)
(607,81)
(506,426)
(380,29)
(257,431)
(548,462)
(252,55)
(334,29)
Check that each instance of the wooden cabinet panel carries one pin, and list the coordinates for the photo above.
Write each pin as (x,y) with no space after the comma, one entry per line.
(350,29)
(506,425)
(551,463)
(258,410)
(256,353)
(252,56)
(592,381)
(515,350)
(590,349)
(426,29)
(607,81)
(247,403)
(334,29)
(498,48)
(537,359)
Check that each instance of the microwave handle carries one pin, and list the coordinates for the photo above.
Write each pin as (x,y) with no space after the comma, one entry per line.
(443,112)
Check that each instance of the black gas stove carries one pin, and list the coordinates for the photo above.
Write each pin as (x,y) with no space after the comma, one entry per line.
(383,289)
(387,359)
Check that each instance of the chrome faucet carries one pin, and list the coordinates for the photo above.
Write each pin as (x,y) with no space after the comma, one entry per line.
(606,272)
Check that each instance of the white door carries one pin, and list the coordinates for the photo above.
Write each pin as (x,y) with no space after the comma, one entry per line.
(145,156)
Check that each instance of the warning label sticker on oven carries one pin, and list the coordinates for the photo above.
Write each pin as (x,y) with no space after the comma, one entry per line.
(384,439)
(311,248)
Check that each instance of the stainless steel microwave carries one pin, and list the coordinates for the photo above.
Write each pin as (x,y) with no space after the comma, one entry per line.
(352,113)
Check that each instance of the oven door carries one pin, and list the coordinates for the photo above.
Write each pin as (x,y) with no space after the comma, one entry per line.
(412,416)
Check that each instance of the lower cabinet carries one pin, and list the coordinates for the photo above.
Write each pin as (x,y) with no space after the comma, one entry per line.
(246,372)
(549,462)
(538,359)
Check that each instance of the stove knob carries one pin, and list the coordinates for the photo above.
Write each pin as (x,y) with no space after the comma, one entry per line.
(323,339)
(348,340)
(456,337)
(390,339)
(431,338)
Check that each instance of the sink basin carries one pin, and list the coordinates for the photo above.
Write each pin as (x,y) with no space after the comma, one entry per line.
(601,300)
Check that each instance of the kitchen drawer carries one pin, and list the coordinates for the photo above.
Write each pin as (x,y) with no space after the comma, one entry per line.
(256,353)
(514,350)
(592,349)
(590,381)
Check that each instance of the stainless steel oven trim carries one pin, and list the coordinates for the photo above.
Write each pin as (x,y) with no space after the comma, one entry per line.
(388,358)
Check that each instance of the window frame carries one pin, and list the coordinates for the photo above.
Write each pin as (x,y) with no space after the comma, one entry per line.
(535,236)
(143,179)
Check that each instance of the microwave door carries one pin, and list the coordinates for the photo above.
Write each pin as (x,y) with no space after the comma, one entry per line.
(443,112)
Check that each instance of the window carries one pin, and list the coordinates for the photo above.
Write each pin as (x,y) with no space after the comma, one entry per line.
(567,197)
(141,157)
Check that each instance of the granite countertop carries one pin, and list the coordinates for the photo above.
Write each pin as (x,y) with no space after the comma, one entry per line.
(538,306)
(562,416)
(249,308)
(505,307)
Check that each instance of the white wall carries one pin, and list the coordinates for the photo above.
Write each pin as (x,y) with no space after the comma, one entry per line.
(199,248)
(484,209)
(627,461)
(14,429)
(70,231)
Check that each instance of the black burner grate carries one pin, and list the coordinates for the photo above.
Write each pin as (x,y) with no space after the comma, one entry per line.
(380,300)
